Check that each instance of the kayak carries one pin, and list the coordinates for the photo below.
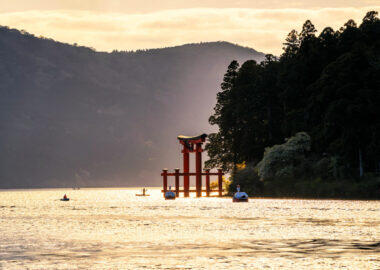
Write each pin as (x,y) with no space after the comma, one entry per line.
(143,195)
(65,200)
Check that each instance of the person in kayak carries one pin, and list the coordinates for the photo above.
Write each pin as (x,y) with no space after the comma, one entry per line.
(65,197)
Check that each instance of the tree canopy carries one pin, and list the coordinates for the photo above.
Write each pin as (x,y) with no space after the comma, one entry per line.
(326,85)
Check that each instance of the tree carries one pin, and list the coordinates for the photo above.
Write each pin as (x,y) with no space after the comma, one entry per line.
(308,31)
(349,24)
(281,160)
(219,145)
(272,114)
(344,105)
(291,44)
(323,88)
(371,17)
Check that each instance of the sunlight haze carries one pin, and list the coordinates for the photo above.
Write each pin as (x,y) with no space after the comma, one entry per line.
(131,25)
(189,134)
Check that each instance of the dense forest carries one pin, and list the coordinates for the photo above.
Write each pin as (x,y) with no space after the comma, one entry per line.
(71,116)
(306,124)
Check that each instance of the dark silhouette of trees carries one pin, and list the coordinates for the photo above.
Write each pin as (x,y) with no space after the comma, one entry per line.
(291,44)
(308,31)
(326,86)
(220,148)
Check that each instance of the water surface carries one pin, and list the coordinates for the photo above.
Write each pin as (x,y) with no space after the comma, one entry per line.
(114,229)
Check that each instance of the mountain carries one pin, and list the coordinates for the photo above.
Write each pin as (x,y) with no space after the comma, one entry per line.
(71,116)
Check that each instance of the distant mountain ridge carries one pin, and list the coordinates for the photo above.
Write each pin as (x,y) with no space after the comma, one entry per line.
(71,116)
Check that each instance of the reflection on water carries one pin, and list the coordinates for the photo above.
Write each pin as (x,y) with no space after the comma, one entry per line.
(114,229)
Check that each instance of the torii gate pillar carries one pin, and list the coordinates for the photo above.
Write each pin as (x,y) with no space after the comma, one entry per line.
(186,165)
(198,169)
(188,147)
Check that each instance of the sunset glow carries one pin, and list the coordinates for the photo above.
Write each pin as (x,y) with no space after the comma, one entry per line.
(125,25)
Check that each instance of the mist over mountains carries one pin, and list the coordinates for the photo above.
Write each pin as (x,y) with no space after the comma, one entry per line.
(71,116)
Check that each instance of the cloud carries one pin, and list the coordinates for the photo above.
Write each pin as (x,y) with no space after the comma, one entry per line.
(262,29)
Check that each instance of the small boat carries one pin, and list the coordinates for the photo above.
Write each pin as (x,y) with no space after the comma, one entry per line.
(240,196)
(65,199)
(169,195)
(143,193)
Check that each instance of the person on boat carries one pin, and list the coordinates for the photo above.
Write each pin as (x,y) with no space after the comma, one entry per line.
(240,196)
(170,194)
(65,197)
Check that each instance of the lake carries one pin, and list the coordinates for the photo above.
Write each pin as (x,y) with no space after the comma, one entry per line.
(114,229)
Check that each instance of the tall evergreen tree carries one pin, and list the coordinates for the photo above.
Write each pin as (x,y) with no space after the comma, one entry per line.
(291,44)
(325,85)
(219,146)
(308,31)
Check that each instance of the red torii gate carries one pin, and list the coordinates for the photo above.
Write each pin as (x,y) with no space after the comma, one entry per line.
(188,147)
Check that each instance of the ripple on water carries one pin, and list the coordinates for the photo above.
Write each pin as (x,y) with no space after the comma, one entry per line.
(111,227)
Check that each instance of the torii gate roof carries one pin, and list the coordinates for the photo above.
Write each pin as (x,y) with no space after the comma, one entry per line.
(192,139)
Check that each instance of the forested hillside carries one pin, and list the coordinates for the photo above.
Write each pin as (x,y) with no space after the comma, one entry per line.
(71,116)
(307,123)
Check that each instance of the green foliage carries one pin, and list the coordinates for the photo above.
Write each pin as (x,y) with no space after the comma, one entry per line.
(248,179)
(317,188)
(323,93)
(279,161)
(306,183)
(220,145)
(247,110)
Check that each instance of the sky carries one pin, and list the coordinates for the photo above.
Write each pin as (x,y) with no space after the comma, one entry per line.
(106,25)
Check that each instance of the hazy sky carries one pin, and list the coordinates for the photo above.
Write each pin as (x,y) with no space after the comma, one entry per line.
(130,25)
